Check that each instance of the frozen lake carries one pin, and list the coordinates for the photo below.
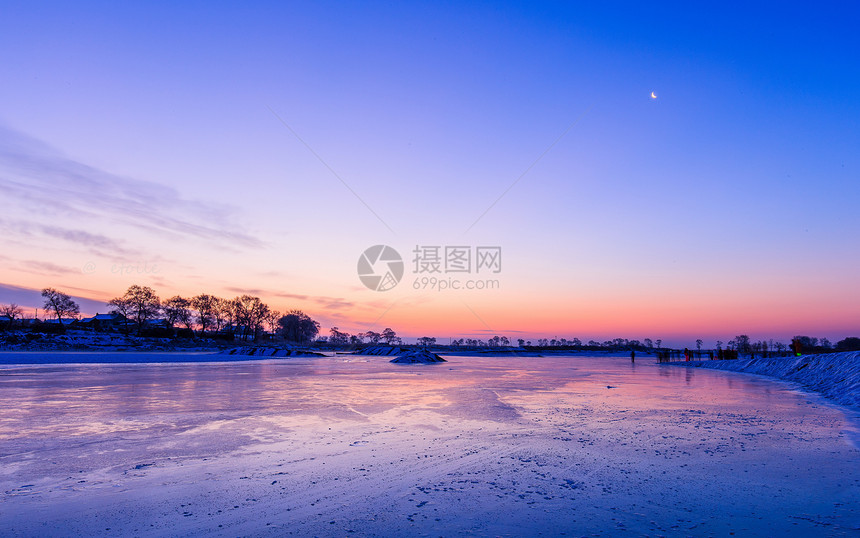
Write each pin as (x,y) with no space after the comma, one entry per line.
(474,446)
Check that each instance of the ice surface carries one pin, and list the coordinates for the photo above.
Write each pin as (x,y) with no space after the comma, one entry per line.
(481,446)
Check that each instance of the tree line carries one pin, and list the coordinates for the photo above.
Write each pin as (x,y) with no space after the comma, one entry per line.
(247,316)
(340,338)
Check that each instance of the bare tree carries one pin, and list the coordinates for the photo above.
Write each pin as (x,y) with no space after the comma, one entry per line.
(389,336)
(177,309)
(742,343)
(142,304)
(251,312)
(60,303)
(222,311)
(372,337)
(272,318)
(206,307)
(337,337)
(12,311)
(699,343)
(122,307)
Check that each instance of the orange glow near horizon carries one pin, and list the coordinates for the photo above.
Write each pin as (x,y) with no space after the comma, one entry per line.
(672,317)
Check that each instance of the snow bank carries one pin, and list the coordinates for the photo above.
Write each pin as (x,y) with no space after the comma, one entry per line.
(93,341)
(834,375)
(260,351)
(381,350)
(418,357)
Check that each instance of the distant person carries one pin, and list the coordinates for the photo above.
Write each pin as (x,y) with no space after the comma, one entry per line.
(796,346)
(633,356)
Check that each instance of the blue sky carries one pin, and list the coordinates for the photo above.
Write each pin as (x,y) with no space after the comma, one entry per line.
(736,187)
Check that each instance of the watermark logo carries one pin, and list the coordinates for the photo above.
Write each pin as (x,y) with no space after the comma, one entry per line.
(380,268)
(456,259)
(123,268)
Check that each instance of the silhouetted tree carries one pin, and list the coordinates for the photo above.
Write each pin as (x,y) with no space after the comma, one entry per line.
(250,312)
(807,343)
(742,343)
(699,344)
(177,310)
(337,337)
(296,326)
(13,311)
(141,303)
(222,311)
(852,343)
(389,336)
(122,307)
(206,307)
(372,337)
(60,303)
(426,341)
(272,318)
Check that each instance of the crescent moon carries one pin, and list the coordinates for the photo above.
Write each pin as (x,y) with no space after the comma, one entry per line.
(653,95)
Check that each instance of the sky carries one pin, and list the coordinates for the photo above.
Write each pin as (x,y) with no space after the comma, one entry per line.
(260,148)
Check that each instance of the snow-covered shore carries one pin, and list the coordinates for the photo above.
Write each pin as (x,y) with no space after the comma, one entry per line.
(86,341)
(834,375)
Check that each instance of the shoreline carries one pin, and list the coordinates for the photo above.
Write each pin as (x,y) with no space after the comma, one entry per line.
(98,355)
(835,376)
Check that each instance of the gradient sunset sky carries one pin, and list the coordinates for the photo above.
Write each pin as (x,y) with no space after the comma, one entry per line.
(259,148)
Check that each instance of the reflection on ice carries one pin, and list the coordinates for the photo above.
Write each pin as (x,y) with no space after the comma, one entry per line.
(480,445)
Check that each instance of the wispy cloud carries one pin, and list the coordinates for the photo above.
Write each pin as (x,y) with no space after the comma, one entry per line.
(246,291)
(102,244)
(98,244)
(48,268)
(36,176)
(329,303)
